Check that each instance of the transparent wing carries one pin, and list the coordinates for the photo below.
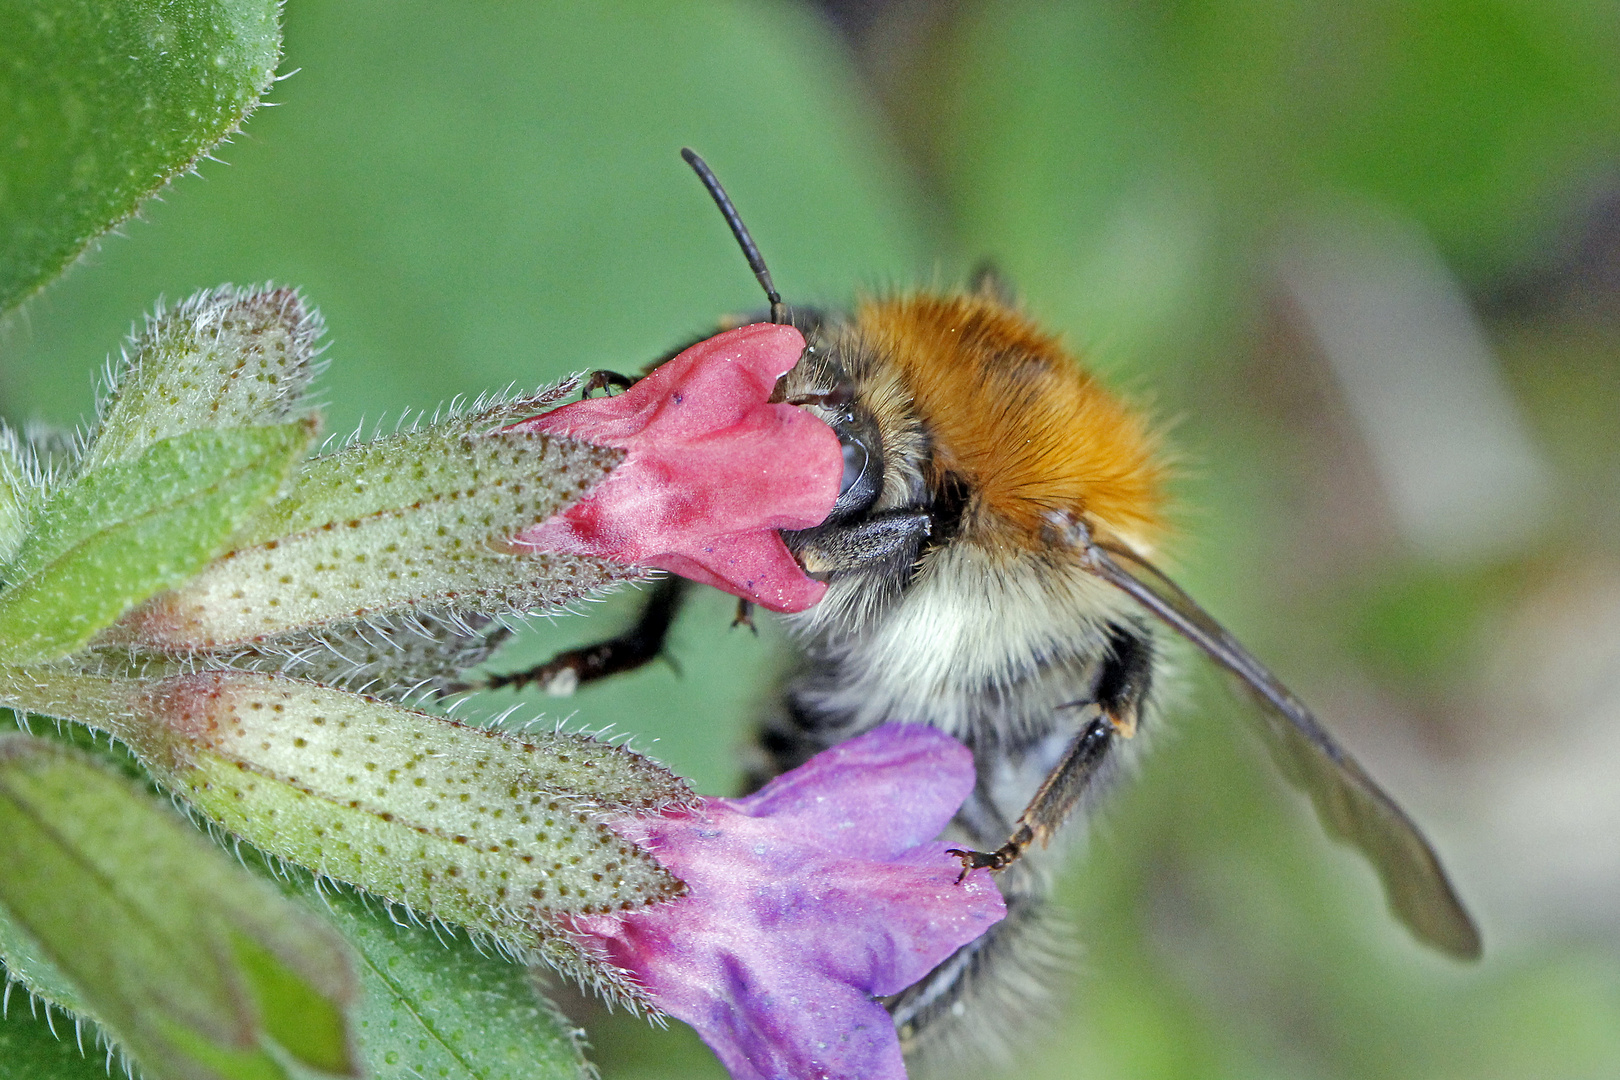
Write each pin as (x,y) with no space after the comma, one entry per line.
(1351,806)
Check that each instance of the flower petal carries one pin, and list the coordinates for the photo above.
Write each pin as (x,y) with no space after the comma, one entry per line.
(714,470)
(805,902)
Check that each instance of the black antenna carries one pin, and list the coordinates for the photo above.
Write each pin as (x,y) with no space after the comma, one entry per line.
(756,262)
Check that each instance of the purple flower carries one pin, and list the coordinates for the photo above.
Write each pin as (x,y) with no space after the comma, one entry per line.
(806,901)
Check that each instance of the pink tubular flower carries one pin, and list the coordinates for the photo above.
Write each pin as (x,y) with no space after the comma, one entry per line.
(807,900)
(713,470)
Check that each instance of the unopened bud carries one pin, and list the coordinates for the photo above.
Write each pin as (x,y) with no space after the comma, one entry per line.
(224,358)
(397,659)
(503,834)
(417,521)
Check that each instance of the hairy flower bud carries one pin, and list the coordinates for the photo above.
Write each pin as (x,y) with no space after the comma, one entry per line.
(419,520)
(224,358)
(397,659)
(506,835)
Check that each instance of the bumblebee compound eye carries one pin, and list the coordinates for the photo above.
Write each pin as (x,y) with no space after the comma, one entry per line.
(855,427)
(863,468)
(855,462)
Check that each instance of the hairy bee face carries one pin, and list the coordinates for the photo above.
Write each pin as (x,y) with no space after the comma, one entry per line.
(944,577)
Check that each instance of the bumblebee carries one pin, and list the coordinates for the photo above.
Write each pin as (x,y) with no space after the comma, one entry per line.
(988,573)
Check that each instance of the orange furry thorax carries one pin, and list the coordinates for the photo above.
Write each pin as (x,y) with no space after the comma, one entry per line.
(1014,416)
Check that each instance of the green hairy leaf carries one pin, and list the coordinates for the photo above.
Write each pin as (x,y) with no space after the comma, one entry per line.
(28,962)
(34,1046)
(434,1005)
(118,534)
(104,102)
(190,964)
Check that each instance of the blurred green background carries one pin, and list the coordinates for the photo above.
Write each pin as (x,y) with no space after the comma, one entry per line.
(1361,258)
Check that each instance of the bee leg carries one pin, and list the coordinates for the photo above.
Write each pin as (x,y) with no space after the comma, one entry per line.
(1052,802)
(1122,687)
(981,995)
(605,380)
(639,645)
(893,535)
